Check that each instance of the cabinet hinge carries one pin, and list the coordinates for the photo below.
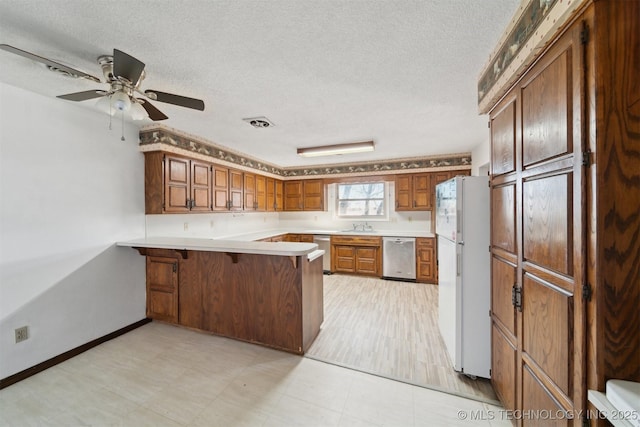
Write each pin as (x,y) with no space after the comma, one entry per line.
(516,297)
(584,33)
(586,291)
(586,158)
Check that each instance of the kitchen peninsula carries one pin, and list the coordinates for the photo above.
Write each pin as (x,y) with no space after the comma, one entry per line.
(261,292)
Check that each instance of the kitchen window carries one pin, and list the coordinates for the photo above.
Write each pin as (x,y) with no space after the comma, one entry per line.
(364,200)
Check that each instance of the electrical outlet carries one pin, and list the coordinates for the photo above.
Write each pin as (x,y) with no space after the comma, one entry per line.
(410,219)
(212,224)
(186,226)
(22,334)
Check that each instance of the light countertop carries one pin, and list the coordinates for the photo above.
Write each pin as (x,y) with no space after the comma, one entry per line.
(217,245)
(276,232)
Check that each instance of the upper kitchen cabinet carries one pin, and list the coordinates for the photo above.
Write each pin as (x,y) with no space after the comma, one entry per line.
(416,191)
(249,192)
(279,195)
(261,193)
(228,189)
(175,184)
(304,195)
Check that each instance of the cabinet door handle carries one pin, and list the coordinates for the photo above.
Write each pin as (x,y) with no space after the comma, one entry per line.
(175,267)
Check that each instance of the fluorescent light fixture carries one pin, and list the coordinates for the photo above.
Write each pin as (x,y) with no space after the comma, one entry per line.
(331,150)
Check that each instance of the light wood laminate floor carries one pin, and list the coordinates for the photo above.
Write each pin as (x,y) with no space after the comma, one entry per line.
(390,328)
(164,375)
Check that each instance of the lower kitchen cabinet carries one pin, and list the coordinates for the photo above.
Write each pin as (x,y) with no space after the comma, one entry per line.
(272,300)
(426,271)
(356,255)
(162,288)
(304,238)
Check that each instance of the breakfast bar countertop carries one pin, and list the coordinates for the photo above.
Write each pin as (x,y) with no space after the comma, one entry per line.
(227,245)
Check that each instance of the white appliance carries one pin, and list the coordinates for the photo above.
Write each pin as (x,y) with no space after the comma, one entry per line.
(462,229)
(399,258)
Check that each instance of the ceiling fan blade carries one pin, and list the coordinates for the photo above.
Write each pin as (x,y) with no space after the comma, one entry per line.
(83,96)
(48,62)
(127,66)
(154,113)
(183,101)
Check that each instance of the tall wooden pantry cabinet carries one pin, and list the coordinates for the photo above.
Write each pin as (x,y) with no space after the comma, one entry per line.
(565,208)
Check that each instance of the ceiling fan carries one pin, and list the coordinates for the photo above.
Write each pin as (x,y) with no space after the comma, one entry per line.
(123,73)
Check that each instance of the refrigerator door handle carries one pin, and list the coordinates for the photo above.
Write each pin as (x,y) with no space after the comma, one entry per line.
(458,264)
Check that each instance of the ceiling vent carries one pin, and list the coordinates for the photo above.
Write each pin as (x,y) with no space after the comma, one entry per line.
(259,122)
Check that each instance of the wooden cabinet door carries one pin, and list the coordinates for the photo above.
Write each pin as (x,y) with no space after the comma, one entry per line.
(201,186)
(366,260)
(279,195)
(404,196)
(537,204)
(422,191)
(313,195)
(162,288)
(270,184)
(344,259)
(177,176)
(293,200)
(426,260)
(261,193)
(220,188)
(236,189)
(249,192)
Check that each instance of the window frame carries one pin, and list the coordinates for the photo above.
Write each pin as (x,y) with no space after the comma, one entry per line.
(385,202)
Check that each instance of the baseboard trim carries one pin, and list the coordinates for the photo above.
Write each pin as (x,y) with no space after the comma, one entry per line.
(6,382)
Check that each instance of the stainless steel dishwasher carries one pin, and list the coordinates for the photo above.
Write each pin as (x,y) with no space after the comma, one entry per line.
(399,258)
(324,243)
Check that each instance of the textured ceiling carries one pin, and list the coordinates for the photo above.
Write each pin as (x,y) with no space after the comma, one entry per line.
(400,72)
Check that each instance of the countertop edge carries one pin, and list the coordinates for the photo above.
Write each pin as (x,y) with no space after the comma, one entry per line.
(230,246)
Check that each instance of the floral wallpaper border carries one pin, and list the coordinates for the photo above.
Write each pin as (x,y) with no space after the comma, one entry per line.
(193,145)
(529,21)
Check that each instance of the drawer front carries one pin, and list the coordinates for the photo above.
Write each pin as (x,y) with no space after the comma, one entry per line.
(428,242)
(357,240)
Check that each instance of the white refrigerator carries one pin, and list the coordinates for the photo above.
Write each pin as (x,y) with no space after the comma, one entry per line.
(462,229)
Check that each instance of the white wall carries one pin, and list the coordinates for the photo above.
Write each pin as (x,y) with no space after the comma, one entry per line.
(69,189)
(480,157)
(208,226)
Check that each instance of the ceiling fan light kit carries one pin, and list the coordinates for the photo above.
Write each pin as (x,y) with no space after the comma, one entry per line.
(336,149)
(123,73)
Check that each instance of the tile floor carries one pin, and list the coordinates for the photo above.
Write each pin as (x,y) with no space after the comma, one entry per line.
(162,375)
